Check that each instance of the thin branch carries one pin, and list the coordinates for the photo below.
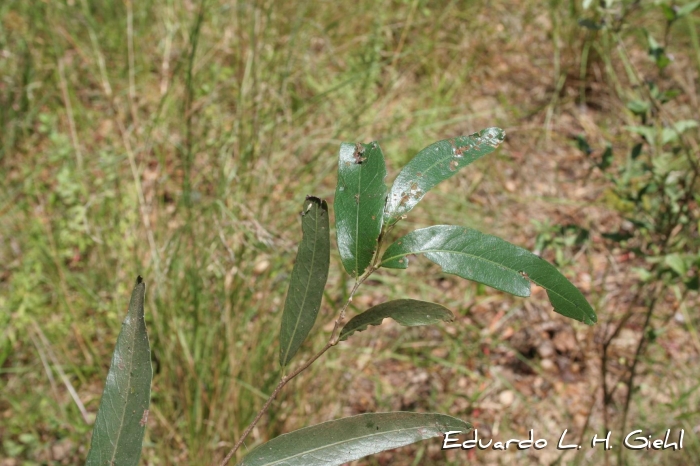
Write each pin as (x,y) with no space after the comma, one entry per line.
(332,341)
(284,381)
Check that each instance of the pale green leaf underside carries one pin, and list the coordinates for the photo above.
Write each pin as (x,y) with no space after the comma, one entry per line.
(343,440)
(121,418)
(492,261)
(407,312)
(359,204)
(308,278)
(436,163)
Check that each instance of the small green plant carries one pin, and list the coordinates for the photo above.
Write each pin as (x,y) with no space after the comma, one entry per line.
(654,185)
(366,213)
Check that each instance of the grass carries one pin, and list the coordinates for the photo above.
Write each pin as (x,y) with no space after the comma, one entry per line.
(176,140)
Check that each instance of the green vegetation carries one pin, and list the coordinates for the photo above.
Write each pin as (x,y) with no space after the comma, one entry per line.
(173,139)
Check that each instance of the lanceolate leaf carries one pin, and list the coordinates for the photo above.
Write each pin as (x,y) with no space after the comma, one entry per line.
(408,312)
(308,278)
(338,442)
(359,204)
(434,164)
(121,418)
(492,261)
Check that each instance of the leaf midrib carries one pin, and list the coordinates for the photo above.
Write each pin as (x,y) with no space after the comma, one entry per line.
(491,262)
(128,391)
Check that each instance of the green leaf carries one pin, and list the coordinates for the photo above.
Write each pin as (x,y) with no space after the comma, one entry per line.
(583,145)
(671,134)
(121,418)
(591,24)
(677,263)
(407,312)
(308,278)
(436,163)
(638,107)
(492,261)
(669,13)
(359,204)
(687,9)
(648,132)
(606,158)
(337,442)
(657,53)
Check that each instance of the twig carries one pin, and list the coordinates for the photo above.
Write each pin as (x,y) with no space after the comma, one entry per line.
(332,341)
(284,381)
(633,368)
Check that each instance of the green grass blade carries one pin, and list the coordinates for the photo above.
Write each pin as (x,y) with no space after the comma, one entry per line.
(308,278)
(407,312)
(121,418)
(492,261)
(359,204)
(343,440)
(436,163)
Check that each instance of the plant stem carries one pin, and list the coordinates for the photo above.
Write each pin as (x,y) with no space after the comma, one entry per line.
(285,379)
(332,341)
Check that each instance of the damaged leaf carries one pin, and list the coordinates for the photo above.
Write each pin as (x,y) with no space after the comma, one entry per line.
(436,163)
(359,204)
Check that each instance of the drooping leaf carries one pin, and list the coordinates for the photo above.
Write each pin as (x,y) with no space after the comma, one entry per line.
(359,204)
(434,164)
(343,440)
(407,312)
(121,419)
(308,278)
(492,261)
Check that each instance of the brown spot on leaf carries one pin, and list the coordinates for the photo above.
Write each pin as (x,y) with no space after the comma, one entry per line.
(144,418)
(357,155)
